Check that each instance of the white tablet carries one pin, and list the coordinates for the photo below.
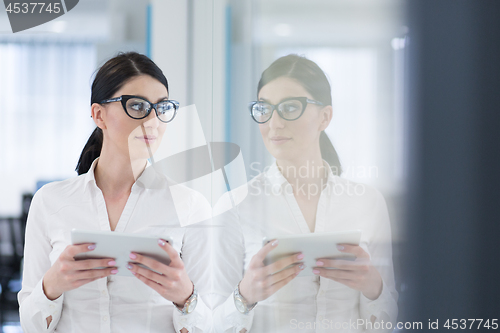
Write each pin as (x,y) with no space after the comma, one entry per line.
(118,245)
(313,246)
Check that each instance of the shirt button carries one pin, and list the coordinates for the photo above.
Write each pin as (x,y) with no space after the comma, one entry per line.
(104,318)
(52,306)
(103,292)
(320,318)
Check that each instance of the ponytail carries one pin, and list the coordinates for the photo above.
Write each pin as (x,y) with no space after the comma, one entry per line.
(108,80)
(314,81)
(90,152)
(329,154)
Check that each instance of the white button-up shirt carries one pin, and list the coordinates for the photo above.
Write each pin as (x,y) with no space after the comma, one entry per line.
(115,303)
(310,303)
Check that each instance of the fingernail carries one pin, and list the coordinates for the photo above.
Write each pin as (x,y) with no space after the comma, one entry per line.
(112,263)
(114,271)
(300,256)
(274,243)
(302,266)
(319,263)
(132,256)
(340,247)
(129,266)
(92,247)
(161,242)
(315,271)
(133,273)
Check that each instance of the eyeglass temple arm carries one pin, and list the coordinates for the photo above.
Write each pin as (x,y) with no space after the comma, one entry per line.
(116,99)
(312,101)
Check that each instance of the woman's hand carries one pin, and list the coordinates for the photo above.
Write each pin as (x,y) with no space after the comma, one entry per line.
(68,274)
(261,281)
(358,274)
(172,283)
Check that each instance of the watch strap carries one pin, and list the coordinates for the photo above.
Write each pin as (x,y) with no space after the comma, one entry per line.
(239,299)
(192,298)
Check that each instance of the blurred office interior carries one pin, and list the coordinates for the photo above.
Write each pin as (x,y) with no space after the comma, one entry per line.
(213,52)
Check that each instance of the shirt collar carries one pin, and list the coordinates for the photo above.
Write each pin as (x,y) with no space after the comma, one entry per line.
(274,175)
(152,177)
(331,176)
(90,176)
(276,178)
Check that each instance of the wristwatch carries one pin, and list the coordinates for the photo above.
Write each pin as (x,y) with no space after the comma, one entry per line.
(241,303)
(190,304)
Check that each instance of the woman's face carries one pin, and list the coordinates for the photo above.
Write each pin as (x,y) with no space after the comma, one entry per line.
(297,139)
(138,138)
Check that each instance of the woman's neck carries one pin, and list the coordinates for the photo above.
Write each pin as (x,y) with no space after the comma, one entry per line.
(115,174)
(306,175)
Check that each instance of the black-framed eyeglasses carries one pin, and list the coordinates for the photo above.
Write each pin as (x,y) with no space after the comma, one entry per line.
(139,108)
(288,109)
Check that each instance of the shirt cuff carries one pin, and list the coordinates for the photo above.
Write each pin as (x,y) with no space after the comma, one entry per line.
(230,317)
(383,308)
(47,307)
(197,321)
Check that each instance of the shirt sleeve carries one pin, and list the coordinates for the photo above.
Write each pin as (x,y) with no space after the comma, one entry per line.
(228,319)
(383,308)
(197,321)
(35,307)
(380,249)
(229,258)
(196,253)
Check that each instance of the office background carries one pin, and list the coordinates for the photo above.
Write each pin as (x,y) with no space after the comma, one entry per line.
(213,53)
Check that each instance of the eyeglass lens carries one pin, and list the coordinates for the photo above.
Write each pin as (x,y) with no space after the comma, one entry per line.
(289,110)
(138,108)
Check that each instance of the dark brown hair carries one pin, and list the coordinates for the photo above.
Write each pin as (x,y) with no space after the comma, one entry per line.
(108,80)
(314,80)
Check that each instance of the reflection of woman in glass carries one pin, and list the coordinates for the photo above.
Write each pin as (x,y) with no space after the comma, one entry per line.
(300,194)
(131,108)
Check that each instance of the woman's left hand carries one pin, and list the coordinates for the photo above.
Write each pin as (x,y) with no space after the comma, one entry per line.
(173,283)
(358,274)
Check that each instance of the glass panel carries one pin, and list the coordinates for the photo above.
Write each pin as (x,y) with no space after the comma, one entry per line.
(359,46)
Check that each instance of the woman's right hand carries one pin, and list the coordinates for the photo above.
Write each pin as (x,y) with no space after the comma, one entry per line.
(261,281)
(68,274)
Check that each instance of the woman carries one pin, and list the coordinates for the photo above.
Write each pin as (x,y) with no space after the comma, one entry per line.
(301,193)
(130,106)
